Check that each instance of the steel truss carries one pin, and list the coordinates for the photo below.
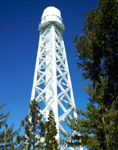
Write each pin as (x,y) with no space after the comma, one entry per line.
(52,84)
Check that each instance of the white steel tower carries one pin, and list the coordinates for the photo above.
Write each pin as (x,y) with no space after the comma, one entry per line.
(52,84)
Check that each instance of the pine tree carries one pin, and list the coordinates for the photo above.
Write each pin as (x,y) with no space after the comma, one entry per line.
(7,135)
(97,47)
(51,142)
(3,119)
(97,127)
(97,50)
(34,129)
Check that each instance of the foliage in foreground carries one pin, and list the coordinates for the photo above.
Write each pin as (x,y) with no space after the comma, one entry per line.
(51,142)
(38,134)
(34,129)
(97,50)
(97,127)
(7,134)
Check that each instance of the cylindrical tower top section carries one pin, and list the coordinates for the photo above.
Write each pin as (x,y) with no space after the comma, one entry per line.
(51,11)
(51,15)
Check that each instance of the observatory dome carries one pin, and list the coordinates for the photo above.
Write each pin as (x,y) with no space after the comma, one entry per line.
(51,15)
(51,11)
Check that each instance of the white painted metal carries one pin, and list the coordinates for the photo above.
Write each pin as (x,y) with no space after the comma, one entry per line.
(52,84)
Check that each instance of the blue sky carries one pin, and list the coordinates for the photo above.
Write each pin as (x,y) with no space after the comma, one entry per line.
(19,38)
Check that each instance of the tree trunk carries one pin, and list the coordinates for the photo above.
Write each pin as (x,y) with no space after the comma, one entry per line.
(5,140)
(106,137)
(11,144)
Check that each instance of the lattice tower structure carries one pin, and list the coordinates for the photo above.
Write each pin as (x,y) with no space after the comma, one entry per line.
(52,86)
